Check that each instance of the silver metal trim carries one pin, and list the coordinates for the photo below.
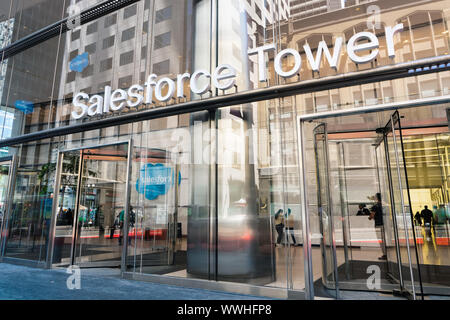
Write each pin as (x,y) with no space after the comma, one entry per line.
(330,210)
(24,262)
(307,255)
(377,108)
(95,146)
(232,287)
(344,207)
(123,263)
(213,194)
(9,194)
(403,207)
(52,231)
(99,264)
(394,216)
(77,211)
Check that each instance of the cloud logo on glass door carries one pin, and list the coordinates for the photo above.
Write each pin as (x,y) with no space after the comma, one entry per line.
(155,180)
(79,63)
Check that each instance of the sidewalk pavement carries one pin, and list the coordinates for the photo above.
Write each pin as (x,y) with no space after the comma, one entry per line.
(25,283)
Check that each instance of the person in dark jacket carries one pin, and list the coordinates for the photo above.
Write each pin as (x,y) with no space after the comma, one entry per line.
(279,225)
(376,213)
(418,218)
(427,215)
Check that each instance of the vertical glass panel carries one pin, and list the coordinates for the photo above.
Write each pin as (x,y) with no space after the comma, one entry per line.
(4,180)
(339,207)
(28,88)
(66,208)
(32,15)
(198,194)
(426,159)
(324,207)
(100,219)
(154,203)
(289,193)
(245,245)
(170,199)
(32,201)
(402,208)
(389,218)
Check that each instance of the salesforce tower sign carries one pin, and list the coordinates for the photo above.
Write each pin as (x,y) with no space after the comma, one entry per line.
(224,76)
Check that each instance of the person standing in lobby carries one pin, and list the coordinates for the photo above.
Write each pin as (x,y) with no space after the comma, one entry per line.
(376,213)
(427,216)
(279,226)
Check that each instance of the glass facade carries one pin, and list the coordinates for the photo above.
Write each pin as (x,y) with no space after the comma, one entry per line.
(308,192)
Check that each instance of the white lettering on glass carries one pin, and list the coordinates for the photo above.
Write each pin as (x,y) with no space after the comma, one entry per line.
(362,47)
(297,63)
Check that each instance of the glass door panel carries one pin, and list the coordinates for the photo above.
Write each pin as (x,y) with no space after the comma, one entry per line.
(409,266)
(327,245)
(155,198)
(427,159)
(388,240)
(66,207)
(101,206)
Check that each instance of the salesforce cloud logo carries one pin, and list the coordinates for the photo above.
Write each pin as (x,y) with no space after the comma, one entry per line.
(155,180)
(79,63)
(26,107)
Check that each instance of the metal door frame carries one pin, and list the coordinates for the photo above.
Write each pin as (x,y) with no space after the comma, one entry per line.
(302,167)
(306,230)
(391,196)
(392,204)
(330,210)
(390,128)
(9,196)
(74,225)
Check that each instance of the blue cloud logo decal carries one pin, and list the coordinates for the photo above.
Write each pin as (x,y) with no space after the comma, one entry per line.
(24,106)
(155,180)
(79,63)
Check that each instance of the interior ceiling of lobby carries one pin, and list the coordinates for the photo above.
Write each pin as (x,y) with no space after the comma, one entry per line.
(426,142)
(418,117)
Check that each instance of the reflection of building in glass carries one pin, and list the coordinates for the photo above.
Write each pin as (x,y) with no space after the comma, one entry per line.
(249,22)
(6,121)
(6,32)
(125,47)
(238,164)
(24,78)
(6,118)
(307,8)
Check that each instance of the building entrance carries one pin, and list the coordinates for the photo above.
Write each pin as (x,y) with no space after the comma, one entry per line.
(364,162)
(389,210)
(91,212)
